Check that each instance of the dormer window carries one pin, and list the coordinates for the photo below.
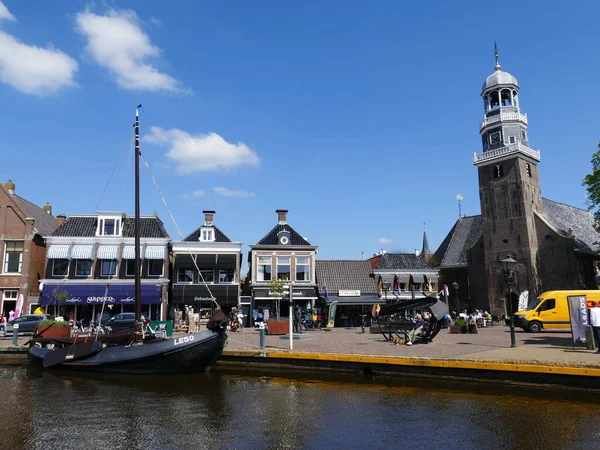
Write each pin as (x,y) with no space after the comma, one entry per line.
(207,234)
(109,226)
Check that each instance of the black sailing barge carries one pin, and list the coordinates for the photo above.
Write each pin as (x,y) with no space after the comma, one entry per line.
(132,351)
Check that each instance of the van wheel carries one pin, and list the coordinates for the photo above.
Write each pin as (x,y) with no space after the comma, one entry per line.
(535,327)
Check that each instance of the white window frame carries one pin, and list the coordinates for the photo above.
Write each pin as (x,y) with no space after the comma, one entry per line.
(307,264)
(260,264)
(289,264)
(232,279)
(5,265)
(118,227)
(207,234)
(132,274)
(10,299)
(64,275)
(184,270)
(102,261)
(202,278)
(162,270)
(76,266)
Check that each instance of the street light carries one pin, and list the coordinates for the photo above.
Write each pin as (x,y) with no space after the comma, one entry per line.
(508,268)
(385,286)
(455,287)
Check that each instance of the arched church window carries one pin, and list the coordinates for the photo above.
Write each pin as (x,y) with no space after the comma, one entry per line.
(528,169)
(486,103)
(494,100)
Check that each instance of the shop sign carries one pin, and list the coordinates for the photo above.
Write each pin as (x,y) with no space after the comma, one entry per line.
(202,299)
(348,293)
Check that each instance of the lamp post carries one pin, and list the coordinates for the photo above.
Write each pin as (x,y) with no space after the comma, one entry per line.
(455,287)
(508,268)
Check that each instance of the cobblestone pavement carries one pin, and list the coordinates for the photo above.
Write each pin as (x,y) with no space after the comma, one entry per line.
(490,344)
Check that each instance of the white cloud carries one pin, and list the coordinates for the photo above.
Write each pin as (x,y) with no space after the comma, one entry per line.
(34,70)
(232,193)
(5,13)
(194,194)
(384,240)
(117,42)
(201,152)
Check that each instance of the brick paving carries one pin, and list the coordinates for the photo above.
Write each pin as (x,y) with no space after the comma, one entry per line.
(490,344)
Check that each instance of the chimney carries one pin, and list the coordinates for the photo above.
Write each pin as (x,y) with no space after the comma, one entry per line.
(417,252)
(10,187)
(48,208)
(208,218)
(282,215)
(383,251)
(60,219)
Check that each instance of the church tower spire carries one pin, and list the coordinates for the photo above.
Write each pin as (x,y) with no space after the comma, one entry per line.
(509,189)
(425,251)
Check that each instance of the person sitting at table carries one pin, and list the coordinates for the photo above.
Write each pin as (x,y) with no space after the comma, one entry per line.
(417,330)
(472,323)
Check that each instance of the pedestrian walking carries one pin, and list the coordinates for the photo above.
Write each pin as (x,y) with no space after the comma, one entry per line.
(595,323)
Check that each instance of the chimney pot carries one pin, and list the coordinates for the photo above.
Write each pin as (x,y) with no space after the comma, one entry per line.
(282,216)
(417,252)
(10,187)
(208,217)
(60,219)
(48,208)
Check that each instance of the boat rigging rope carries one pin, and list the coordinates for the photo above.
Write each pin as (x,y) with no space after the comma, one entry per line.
(212,297)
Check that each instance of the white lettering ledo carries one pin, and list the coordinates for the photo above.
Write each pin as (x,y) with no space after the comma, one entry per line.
(183,340)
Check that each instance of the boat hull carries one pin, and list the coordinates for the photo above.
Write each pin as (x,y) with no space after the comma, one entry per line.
(191,353)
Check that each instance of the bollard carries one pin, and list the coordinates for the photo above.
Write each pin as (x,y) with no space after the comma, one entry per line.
(261,330)
(15,333)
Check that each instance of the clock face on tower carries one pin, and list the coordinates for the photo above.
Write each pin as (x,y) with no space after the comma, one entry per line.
(495,138)
(284,240)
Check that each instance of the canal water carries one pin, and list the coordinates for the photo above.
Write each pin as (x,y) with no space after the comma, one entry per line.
(244,410)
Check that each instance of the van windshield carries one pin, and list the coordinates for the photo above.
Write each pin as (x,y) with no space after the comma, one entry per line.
(534,304)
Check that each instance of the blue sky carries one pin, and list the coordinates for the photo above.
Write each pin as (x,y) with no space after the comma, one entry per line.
(361,118)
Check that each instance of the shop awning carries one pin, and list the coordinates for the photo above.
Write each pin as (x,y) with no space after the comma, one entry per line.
(108,252)
(57,251)
(387,278)
(433,278)
(97,294)
(156,252)
(82,252)
(418,277)
(129,252)
(403,277)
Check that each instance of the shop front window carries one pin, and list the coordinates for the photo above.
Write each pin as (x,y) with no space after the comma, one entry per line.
(207,275)
(60,267)
(83,267)
(155,267)
(185,275)
(108,268)
(226,276)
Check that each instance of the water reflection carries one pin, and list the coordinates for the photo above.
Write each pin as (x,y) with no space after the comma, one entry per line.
(41,410)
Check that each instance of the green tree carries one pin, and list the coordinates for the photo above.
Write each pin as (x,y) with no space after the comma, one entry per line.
(58,297)
(277,289)
(592,186)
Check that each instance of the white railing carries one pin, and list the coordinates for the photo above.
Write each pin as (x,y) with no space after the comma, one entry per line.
(505,151)
(504,116)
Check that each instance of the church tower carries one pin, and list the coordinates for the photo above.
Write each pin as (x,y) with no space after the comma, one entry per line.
(509,189)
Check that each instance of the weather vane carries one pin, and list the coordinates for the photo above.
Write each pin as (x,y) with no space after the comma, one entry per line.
(496,55)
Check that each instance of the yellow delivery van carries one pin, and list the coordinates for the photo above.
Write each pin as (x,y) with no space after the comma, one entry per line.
(550,311)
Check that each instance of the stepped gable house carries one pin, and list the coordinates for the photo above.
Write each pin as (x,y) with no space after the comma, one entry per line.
(22,248)
(554,244)
(282,254)
(91,261)
(206,264)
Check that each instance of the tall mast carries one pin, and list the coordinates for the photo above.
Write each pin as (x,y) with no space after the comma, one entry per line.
(138,263)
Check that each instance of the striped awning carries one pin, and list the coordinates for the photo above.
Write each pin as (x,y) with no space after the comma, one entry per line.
(418,277)
(129,252)
(156,252)
(82,252)
(108,252)
(59,251)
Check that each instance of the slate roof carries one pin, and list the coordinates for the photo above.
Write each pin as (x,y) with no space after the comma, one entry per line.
(44,223)
(452,252)
(85,226)
(402,261)
(219,235)
(581,222)
(345,274)
(271,237)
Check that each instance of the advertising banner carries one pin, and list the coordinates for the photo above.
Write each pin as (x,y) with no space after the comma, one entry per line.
(578,316)
(331,316)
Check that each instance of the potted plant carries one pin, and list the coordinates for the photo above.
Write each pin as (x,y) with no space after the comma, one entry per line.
(278,327)
(459,326)
(49,328)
